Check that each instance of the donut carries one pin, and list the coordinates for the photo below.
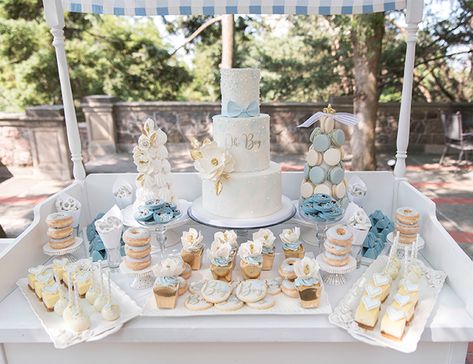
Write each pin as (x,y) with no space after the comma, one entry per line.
(336,249)
(186,271)
(137,252)
(289,288)
(62,243)
(136,237)
(407,239)
(340,235)
(407,215)
(59,220)
(60,233)
(286,269)
(336,260)
(137,264)
(407,229)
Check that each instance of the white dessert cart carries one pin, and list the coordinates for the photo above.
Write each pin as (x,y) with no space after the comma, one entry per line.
(237,339)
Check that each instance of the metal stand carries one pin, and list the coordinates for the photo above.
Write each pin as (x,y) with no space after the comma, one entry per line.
(335,275)
(66,252)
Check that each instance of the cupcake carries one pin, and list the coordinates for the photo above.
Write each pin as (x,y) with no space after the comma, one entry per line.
(221,258)
(307,283)
(266,237)
(192,248)
(251,255)
(230,237)
(166,286)
(292,246)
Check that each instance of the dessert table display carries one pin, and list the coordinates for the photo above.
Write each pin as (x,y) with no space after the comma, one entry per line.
(235,169)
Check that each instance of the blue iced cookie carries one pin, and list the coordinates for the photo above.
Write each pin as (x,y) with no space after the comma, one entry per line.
(176,212)
(336,175)
(315,132)
(321,143)
(144,214)
(317,175)
(308,207)
(338,137)
(155,204)
(327,207)
(163,215)
(321,198)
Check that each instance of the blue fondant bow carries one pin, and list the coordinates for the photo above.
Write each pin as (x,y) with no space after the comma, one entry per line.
(235,110)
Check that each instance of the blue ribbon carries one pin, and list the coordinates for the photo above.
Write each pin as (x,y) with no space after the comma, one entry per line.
(235,110)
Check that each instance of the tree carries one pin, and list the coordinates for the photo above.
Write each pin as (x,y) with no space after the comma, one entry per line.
(367,35)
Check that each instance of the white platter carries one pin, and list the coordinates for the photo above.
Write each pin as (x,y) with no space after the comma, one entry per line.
(57,252)
(57,330)
(198,214)
(429,288)
(182,205)
(284,305)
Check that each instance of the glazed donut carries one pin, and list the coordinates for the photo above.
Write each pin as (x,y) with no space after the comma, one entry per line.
(289,289)
(336,249)
(62,243)
(182,286)
(407,239)
(336,260)
(286,269)
(138,264)
(136,237)
(340,235)
(407,215)
(186,270)
(60,233)
(407,229)
(137,251)
(58,220)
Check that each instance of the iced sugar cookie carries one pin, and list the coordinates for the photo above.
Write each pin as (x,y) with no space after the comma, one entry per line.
(214,291)
(197,303)
(233,303)
(251,290)
(196,286)
(274,285)
(263,304)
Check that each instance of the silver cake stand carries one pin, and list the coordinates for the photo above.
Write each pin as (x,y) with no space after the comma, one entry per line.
(142,279)
(335,275)
(242,226)
(65,252)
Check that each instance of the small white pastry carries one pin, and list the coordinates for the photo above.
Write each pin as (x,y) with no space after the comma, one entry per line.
(251,290)
(110,312)
(233,303)
(263,304)
(79,321)
(195,302)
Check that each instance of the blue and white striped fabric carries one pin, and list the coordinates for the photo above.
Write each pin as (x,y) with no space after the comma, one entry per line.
(218,7)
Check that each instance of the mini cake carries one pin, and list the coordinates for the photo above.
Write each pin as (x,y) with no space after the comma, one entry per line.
(221,258)
(32,273)
(251,256)
(367,312)
(338,246)
(393,324)
(83,279)
(383,282)
(292,246)
(59,267)
(405,303)
(267,239)
(409,288)
(166,286)
(407,223)
(307,283)
(43,279)
(137,248)
(50,294)
(192,248)
(60,231)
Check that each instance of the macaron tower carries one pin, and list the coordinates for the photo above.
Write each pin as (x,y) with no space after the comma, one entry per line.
(324,171)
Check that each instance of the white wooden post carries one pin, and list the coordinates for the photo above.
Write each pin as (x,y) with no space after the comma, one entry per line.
(54,15)
(413,18)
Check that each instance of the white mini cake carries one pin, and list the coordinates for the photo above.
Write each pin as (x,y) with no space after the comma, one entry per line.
(252,188)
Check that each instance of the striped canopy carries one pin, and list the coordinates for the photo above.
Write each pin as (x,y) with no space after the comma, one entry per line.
(218,7)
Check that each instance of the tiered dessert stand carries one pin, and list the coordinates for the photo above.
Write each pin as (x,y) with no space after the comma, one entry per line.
(66,252)
(142,279)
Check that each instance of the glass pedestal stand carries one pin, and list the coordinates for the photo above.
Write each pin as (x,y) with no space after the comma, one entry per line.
(66,252)
(142,279)
(334,276)
(158,234)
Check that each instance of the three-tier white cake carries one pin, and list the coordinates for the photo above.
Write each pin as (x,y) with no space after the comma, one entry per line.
(253,188)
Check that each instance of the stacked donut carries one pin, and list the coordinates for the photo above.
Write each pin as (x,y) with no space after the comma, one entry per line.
(60,230)
(407,223)
(338,246)
(324,172)
(137,248)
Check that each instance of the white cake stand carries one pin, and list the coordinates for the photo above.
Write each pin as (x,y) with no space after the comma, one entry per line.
(335,275)
(66,252)
(401,247)
(142,279)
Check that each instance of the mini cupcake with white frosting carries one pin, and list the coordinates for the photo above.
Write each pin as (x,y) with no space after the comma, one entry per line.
(307,282)
(166,286)
(251,255)
(292,246)
(230,237)
(192,248)
(267,238)
(221,258)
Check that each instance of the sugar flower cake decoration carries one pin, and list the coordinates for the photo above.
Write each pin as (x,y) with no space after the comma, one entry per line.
(212,162)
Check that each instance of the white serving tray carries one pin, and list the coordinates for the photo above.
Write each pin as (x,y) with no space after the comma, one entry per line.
(429,288)
(57,330)
(284,305)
